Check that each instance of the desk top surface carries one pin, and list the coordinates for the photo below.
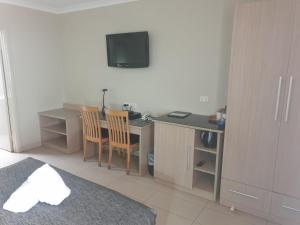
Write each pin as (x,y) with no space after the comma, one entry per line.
(194,121)
(64,114)
(135,123)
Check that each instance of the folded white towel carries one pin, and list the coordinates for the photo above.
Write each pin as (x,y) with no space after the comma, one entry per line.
(50,187)
(44,185)
(22,200)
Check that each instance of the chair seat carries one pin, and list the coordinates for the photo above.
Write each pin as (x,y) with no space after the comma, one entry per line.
(96,140)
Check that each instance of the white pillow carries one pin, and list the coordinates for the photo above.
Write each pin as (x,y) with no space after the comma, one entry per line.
(44,185)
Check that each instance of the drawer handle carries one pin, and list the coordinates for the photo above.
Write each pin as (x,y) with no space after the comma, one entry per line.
(187,159)
(288,105)
(278,98)
(242,194)
(290,208)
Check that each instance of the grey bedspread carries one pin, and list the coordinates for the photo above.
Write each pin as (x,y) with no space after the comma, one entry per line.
(88,204)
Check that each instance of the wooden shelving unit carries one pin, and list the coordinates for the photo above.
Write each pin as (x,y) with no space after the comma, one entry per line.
(207,166)
(194,168)
(61,130)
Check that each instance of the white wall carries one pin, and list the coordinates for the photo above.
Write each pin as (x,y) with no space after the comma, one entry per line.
(33,43)
(190,48)
(53,56)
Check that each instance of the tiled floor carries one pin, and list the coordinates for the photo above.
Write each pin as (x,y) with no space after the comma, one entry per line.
(173,207)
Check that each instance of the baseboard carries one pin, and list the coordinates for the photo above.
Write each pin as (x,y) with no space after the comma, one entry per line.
(26,148)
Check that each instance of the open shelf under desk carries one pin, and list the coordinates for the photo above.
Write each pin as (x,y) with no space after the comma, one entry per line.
(208,167)
(59,143)
(57,128)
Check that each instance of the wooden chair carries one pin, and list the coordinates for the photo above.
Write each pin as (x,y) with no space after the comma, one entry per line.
(119,136)
(92,131)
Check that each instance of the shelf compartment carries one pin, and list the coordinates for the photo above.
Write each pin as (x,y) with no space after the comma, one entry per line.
(208,167)
(56,128)
(59,143)
(199,145)
(209,162)
(208,150)
(204,182)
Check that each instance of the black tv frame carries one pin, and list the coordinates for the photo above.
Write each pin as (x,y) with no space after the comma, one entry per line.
(128,65)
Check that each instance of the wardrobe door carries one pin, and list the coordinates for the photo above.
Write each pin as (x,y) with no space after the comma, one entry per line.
(260,54)
(287,172)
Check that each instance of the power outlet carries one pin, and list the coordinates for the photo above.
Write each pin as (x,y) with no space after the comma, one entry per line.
(204,99)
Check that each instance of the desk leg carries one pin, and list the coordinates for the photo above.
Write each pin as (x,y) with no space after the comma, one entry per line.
(146,145)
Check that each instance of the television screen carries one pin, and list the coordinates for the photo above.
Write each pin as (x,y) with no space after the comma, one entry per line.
(128,50)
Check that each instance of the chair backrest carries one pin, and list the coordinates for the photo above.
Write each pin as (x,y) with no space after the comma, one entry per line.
(118,128)
(91,123)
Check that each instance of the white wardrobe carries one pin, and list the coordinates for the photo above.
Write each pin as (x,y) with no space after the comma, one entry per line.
(261,165)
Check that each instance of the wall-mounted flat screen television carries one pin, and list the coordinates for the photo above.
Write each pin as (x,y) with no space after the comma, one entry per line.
(128,50)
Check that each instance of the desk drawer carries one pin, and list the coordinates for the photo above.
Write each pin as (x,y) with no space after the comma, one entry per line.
(285,210)
(246,198)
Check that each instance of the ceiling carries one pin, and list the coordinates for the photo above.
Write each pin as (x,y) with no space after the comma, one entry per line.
(63,6)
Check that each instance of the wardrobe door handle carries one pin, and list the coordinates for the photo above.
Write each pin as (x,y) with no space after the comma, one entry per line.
(187,158)
(291,208)
(278,98)
(288,105)
(242,194)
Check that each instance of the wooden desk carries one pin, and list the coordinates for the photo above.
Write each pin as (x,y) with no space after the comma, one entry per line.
(61,129)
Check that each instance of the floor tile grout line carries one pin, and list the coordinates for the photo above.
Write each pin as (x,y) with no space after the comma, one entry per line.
(185,199)
(174,214)
(206,202)
(205,207)
(152,195)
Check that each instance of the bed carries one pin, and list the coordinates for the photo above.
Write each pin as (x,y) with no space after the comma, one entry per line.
(88,204)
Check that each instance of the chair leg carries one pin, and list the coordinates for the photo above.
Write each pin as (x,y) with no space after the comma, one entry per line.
(109,157)
(100,153)
(84,149)
(128,161)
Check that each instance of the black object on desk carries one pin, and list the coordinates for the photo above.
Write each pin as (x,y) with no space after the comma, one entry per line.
(178,114)
(134,115)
